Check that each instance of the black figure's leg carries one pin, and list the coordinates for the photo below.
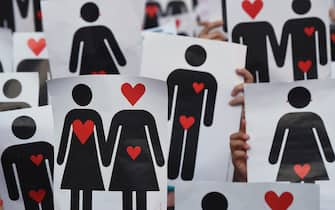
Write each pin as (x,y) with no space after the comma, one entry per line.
(298,74)
(191,149)
(87,200)
(127,200)
(75,199)
(309,181)
(141,200)
(263,72)
(47,203)
(252,69)
(176,146)
(313,73)
(29,204)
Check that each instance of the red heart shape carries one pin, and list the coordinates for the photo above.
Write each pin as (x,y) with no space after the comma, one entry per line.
(37,159)
(178,22)
(198,87)
(1,202)
(333,37)
(305,66)
(36,46)
(281,202)
(151,10)
(302,170)
(134,152)
(83,130)
(186,122)
(37,196)
(309,31)
(99,72)
(133,94)
(39,15)
(252,9)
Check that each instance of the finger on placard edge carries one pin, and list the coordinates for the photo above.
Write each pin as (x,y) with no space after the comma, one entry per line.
(238,100)
(247,76)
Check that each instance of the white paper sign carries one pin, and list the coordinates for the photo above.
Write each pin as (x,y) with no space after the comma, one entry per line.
(18,90)
(27,159)
(224,196)
(287,40)
(100,37)
(200,75)
(6,52)
(292,139)
(21,16)
(111,142)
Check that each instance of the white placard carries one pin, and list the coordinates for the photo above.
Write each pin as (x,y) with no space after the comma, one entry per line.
(200,75)
(292,139)
(111,142)
(287,40)
(6,52)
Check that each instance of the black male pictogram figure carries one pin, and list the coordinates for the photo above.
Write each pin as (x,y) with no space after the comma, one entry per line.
(192,86)
(12,90)
(303,33)
(30,162)
(96,57)
(176,7)
(1,69)
(134,169)
(153,11)
(43,68)
(301,159)
(8,17)
(82,170)
(255,36)
(214,201)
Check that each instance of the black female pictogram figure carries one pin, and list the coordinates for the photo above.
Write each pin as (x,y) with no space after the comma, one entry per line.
(82,170)
(190,95)
(11,90)
(153,11)
(255,36)
(301,159)
(43,68)
(176,7)
(96,57)
(8,16)
(134,169)
(30,162)
(214,201)
(306,34)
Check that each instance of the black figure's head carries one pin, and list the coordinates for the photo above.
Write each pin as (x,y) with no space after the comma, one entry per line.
(24,127)
(82,95)
(195,55)
(301,7)
(90,12)
(299,97)
(214,201)
(12,88)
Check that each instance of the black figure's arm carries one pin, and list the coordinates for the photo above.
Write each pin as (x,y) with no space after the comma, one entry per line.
(237,34)
(171,83)
(324,139)
(115,48)
(280,53)
(75,52)
(48,151)
(37,8)
(276,49)
(321,28)
(7,14)
(100,135)
(155,140)
(7,166)
(113,130)
(64,138)
(211,98)
(277,141)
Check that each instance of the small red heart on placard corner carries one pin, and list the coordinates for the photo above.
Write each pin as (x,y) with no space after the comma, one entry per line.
(133,94)
(302,170)
(305,66)
(37,159)
(252,9)
(178,22)
(37,196)
(333,37)
(186,122)
(83,130)
(198,87)
(151,10)
(282,202)
(134,152)
(36,46)
(309,31)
